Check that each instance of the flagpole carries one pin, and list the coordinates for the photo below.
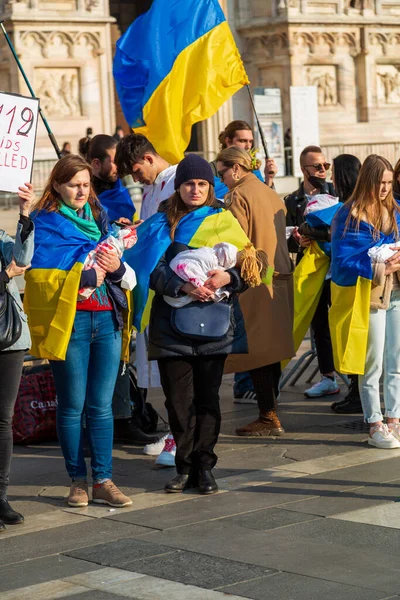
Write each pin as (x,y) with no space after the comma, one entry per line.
(263,141)
(50,133)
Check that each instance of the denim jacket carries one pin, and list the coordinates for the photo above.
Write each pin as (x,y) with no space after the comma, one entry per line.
(22,253)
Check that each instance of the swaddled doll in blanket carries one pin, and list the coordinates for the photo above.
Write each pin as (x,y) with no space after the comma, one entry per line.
(380,254)
(120,239)
(318,215)
(193,266)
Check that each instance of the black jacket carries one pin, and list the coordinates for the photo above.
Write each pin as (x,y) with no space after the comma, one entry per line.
(164,342)
(295,205)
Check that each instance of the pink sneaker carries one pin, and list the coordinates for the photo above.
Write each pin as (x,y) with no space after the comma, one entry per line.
(167,456)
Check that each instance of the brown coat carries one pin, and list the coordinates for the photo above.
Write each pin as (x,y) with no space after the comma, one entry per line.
(267,310)
(382,286)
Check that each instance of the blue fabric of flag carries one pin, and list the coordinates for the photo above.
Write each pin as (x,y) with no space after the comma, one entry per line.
(117,202)
(168,28)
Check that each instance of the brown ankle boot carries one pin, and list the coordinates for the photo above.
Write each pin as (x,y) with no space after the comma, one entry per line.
(266,424)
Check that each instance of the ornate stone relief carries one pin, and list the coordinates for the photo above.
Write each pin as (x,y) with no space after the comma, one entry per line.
(90,4)
(384,40)
(388,84)
(311,40)
(58,44)
(324,78)
(265,46)
(58,90)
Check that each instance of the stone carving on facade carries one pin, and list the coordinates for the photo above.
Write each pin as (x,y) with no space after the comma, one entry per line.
(58,43)
(388,84)
(90,4)
(265,46)
(58,90)
(359,4)
(330,40)
(386,41)
(324,78)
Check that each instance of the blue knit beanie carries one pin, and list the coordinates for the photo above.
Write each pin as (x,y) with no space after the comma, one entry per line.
(193,166)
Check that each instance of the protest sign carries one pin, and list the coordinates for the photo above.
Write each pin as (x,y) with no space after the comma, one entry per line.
(18,124)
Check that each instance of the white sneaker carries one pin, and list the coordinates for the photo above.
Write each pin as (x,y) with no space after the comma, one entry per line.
(381,437)
(325,387)
(394,429)
(156,448)
(167,456)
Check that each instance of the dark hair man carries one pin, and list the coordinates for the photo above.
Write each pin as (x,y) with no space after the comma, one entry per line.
(114,197)
(137,156)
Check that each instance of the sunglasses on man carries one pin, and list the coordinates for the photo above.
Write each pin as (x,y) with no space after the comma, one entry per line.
(320,166)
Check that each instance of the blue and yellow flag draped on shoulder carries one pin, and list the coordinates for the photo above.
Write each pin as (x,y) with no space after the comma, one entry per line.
(174,66)
(52,283)
(351,291)
(310,274)
(205,226)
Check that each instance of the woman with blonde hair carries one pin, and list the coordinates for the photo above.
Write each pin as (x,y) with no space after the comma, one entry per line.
(267,309)
(365,313)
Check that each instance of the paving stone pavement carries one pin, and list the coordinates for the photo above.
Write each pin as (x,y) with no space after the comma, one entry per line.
(312,515)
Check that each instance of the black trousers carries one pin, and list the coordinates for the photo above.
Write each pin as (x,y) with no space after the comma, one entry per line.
(266,385)
(191,387)
(322,335)
(10,377)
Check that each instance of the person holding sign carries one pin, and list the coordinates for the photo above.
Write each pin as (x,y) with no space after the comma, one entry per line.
(16,255)
(80,338)
(267,309)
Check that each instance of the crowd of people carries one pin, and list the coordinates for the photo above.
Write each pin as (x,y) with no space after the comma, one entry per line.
(213,280)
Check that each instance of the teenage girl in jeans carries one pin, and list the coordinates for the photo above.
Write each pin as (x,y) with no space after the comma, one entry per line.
(369,218)
(15,256)
(70,219)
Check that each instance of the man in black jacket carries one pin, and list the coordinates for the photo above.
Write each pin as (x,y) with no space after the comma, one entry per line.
(314,168)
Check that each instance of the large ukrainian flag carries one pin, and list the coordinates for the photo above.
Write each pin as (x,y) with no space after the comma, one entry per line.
(205,226)
(351,291)
(52,285)
(310,274)
(174,66)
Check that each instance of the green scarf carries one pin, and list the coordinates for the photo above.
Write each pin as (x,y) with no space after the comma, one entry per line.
(86,224)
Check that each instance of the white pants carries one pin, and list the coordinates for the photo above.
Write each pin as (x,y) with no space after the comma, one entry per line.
(383,353)
(147,371)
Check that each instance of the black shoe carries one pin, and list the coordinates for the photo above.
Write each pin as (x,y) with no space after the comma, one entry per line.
(8,515)
(178,484)
(2,527)
(207,483)
(351,406)
(128,432)
(352,402)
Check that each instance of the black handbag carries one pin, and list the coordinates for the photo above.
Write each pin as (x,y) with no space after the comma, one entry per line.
(202,321)
(10,321)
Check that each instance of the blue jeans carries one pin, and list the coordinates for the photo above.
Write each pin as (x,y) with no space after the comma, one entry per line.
(85,383)
(383,352)
(243,383)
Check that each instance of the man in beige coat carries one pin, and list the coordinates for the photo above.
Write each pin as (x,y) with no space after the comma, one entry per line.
(267,309)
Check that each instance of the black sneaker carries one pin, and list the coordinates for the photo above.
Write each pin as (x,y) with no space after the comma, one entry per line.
(351,404)
(126,431)
(249,397)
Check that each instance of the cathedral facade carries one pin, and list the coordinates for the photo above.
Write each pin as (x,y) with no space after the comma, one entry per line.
(348,49)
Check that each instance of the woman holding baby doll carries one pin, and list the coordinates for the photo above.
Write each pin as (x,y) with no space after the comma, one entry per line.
(79,333)
(365,313)
(267,309)
(195,319)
